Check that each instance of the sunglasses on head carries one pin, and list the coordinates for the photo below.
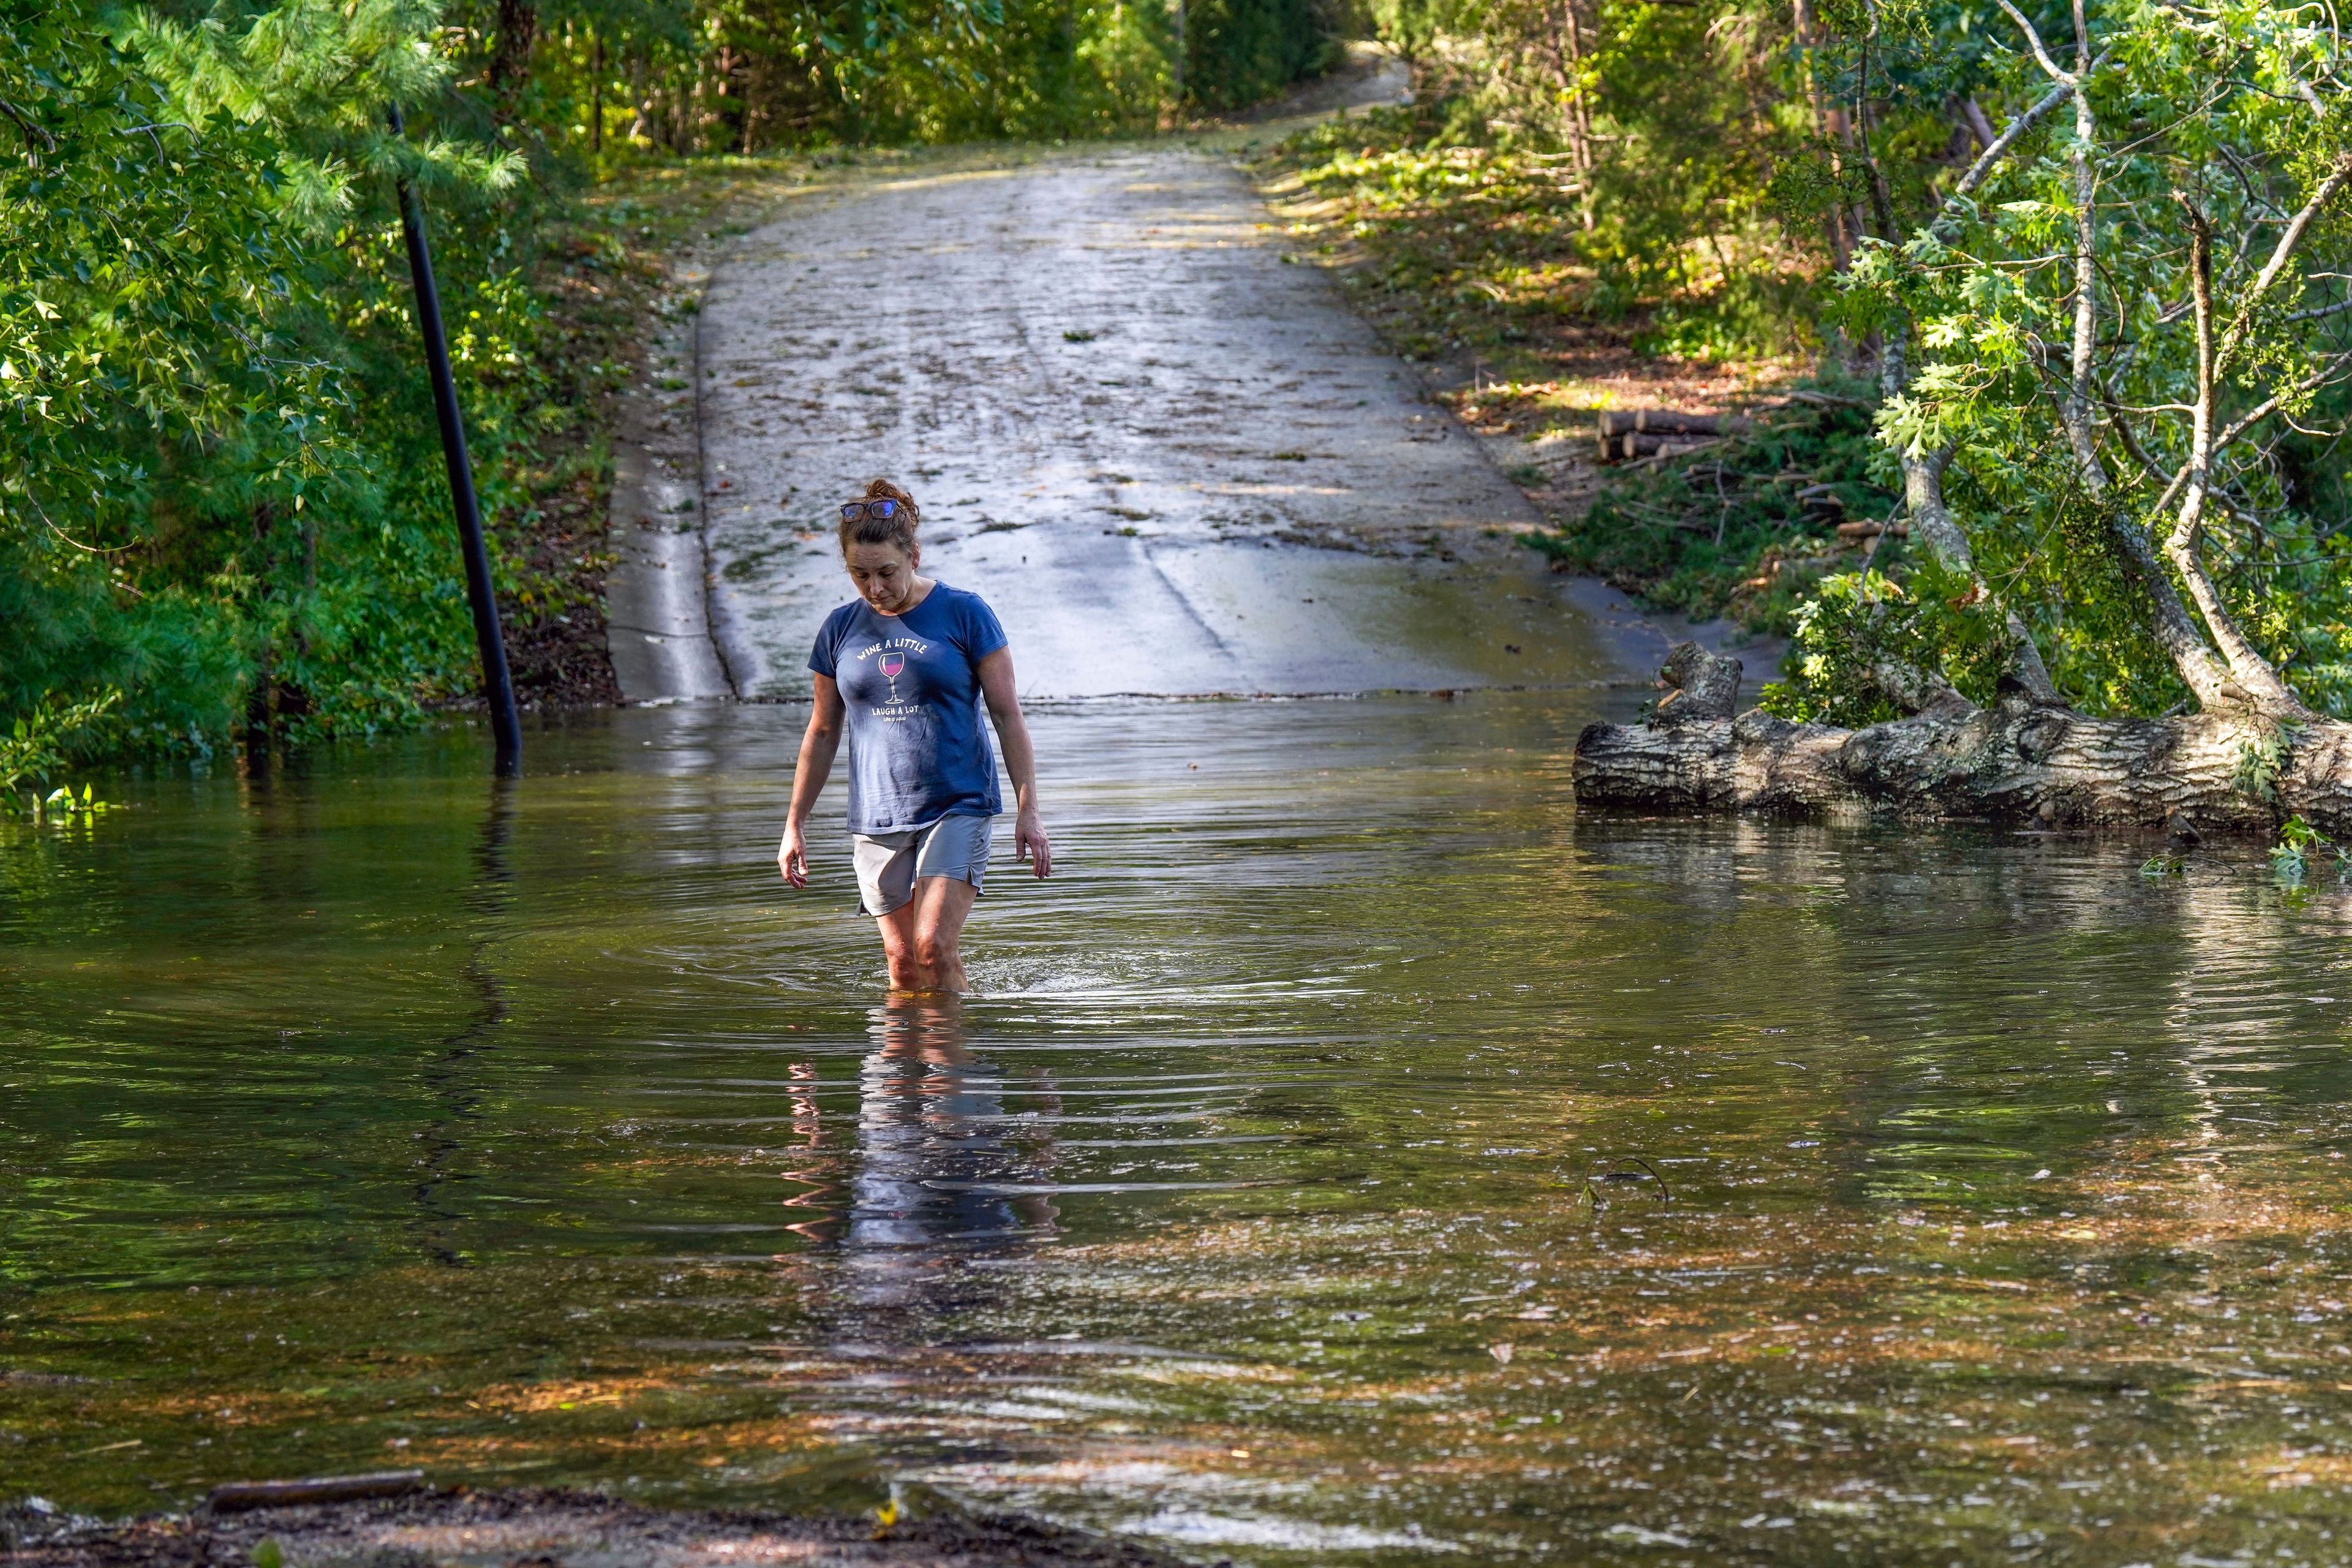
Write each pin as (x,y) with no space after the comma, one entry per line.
(885,509)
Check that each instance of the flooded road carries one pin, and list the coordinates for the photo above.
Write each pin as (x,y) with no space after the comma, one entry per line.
(1160,442)
(1355,1157)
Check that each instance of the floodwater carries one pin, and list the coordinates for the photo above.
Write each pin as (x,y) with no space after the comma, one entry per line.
(1355,1157)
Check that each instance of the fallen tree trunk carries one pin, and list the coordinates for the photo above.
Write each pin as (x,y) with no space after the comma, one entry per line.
(2016,761)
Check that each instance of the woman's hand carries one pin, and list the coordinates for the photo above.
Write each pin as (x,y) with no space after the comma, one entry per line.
(1029,842)
(996,684)
(818,743)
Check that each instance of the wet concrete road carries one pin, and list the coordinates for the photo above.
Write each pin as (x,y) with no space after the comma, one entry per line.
(1172,459)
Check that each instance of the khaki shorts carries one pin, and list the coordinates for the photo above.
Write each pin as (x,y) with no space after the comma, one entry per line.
(890,864)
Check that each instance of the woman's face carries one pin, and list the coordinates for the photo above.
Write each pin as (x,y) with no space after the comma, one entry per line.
(885,575)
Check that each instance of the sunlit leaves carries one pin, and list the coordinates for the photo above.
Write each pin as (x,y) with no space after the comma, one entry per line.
(2236,108)
(319,75)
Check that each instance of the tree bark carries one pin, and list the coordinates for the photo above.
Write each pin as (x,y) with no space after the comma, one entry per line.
(2018,761)
(518,28)
(1931,519)
(2185,545)
(1569,44)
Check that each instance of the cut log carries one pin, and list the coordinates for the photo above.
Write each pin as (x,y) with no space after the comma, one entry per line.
(1668,422)
(233,1496)
(1701,686)
(2016,761)
(1626,434)
(1630,447)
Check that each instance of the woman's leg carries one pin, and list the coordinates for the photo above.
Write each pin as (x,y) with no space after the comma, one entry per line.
(898,945)
(940,906)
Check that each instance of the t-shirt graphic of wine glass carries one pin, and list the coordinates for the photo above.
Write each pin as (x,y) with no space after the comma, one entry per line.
(893,666)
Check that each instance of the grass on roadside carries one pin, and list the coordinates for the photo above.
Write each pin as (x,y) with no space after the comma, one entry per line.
(1743,529)
(1481,250)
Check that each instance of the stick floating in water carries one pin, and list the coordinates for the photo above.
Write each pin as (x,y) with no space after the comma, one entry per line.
(234,1495)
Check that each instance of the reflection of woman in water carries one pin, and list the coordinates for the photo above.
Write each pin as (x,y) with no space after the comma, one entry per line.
(938,1179)
(907,666)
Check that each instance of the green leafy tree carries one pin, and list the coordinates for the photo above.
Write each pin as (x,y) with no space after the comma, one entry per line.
(202,499)
(2114,355)
(1662,123)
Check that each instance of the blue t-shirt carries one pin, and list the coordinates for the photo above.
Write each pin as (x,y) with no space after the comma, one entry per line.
(918,747)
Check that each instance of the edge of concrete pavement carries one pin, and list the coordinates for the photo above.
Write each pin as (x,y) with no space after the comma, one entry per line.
(657,591)
(1377,76)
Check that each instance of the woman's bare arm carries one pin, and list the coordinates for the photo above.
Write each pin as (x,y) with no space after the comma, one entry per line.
(997,685)
(819,743)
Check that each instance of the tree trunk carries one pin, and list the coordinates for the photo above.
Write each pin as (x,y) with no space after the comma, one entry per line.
(1567,44)
(2018,761)
(1825,129)
(518,28)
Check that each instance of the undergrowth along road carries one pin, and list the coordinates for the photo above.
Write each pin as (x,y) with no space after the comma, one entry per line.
(1471,261)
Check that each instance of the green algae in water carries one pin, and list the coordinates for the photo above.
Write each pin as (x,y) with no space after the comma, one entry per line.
(376,1114)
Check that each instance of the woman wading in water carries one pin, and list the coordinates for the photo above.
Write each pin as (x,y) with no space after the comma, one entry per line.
(907,666)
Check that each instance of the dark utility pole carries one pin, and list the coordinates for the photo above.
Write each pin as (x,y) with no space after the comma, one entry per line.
(498,687)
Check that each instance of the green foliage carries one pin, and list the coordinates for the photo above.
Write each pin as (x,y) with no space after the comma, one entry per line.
(622,78)
(2262,759)
(2209,113)
(147,317)
(63,804)
(1643,147)
(2299,845)
(1472,245)
(39,744)
(1034,70)
(218,480)
(1476,240)
(2087,607)
(1860,623)
(221,490)
(1814,182)
(2207,109)
(1238,52)
(1746,529)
